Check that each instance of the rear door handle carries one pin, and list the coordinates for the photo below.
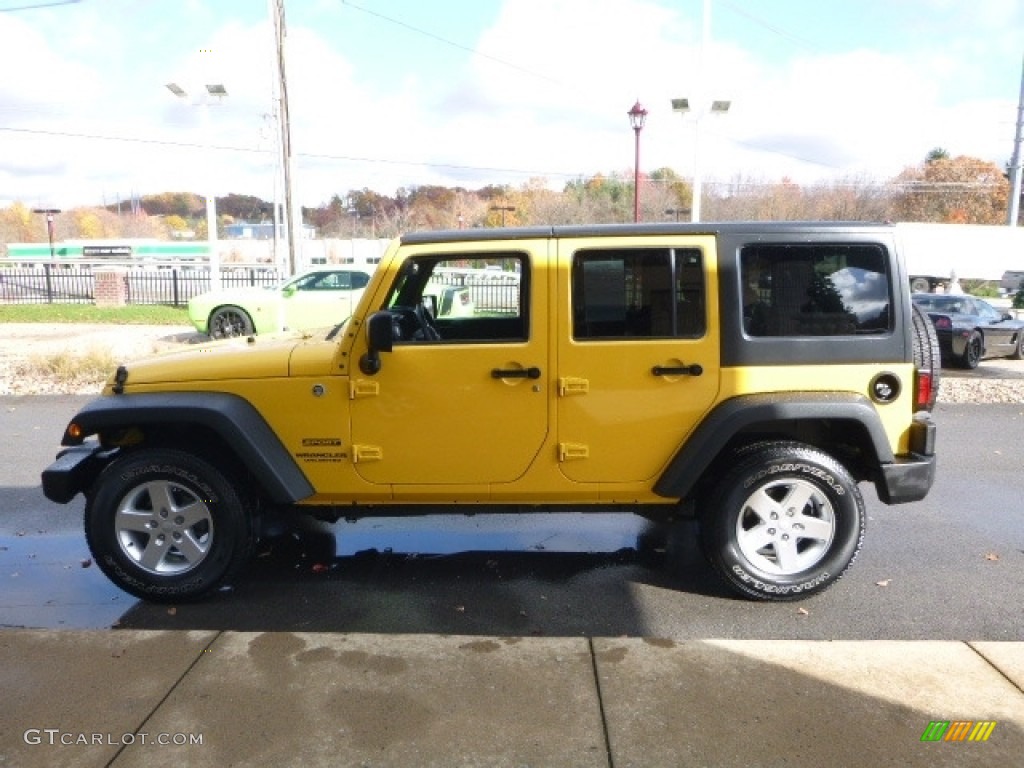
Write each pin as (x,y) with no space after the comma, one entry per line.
(516,373)
(677,370)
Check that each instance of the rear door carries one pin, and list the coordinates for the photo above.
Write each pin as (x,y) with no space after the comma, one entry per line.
(638,353)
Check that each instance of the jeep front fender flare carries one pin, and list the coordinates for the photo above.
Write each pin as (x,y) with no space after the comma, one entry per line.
(735,415)
(231,417)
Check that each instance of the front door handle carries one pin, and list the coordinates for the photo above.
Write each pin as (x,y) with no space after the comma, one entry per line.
(677,370)
(516,373)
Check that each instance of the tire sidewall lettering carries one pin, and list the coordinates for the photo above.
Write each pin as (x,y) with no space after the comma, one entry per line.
(781,589)
(207,493)
(817,472)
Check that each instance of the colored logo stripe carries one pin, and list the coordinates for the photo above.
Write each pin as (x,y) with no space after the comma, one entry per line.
(982,730)
(958,730)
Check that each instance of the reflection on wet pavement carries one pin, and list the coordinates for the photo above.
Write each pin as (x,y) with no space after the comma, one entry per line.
(50,581)
(483,574)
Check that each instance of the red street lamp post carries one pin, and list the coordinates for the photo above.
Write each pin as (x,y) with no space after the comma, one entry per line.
(637,116)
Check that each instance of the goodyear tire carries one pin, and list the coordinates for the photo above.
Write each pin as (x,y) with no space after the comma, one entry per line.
(927,355)
(784,523)
(166,526)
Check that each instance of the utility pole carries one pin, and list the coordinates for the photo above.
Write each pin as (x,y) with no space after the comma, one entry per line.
(292,212)
(1015,162)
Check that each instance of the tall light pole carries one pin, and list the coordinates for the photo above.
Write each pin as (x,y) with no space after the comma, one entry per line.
(213,90)
(717,107)
(637,116)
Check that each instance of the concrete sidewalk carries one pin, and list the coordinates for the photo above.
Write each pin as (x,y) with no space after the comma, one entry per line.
(207,698)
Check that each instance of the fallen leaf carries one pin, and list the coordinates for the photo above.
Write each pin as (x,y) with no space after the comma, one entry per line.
(992,556)
(171,611)
(86,562)
(883,583)
(803,611)
(460,608)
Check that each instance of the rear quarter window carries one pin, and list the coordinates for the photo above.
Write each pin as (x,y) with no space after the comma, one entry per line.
(815,289)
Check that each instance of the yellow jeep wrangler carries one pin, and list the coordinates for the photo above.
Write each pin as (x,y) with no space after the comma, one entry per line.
(751,374)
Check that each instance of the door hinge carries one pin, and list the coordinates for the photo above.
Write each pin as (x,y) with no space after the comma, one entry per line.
(570,451)
(363,388)
(570,385)
(367,453)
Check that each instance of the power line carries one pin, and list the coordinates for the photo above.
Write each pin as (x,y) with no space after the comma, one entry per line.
(770,27)
(451,43)
(34,6)
(306,155)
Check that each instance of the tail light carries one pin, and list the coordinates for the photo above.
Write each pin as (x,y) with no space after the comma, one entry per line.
(924,390)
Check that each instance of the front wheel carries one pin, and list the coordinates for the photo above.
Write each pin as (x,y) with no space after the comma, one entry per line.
(165,526)
(785,523)
(228,322)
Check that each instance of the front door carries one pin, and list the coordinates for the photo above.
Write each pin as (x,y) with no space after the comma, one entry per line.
(638,357)
(462,401)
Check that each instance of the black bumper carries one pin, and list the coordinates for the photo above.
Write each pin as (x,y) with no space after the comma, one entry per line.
(910,477)
(74,471)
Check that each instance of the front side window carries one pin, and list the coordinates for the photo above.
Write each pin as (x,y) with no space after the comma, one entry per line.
(337,280)
(468,298)
(638,293)
(815,289)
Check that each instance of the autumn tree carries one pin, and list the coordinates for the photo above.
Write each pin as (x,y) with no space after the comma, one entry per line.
(957,190)
(19,225)
(244,207)
(185,204)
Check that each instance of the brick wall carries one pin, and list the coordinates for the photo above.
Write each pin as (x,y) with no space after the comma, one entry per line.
(111,287)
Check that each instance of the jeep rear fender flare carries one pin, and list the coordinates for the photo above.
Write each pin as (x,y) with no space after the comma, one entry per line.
(232,418)
(740,413)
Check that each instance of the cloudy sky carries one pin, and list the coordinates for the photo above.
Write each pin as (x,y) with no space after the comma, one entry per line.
(397,93)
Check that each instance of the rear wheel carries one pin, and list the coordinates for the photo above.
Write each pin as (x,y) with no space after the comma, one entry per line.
(973,351)
(785,523)
(166,526)
(230,321)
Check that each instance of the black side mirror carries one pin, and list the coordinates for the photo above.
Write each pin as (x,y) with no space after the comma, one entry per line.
(379,338)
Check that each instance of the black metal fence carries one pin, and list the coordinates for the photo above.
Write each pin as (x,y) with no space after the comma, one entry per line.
(491,294)
(75,284)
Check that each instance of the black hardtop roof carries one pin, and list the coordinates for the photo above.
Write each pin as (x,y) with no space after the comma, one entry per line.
(626,230)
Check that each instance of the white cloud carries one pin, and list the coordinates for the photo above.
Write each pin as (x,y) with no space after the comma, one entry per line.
(546,94)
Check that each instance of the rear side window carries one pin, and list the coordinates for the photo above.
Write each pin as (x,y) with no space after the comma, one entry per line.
(815,289)
(638,293)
